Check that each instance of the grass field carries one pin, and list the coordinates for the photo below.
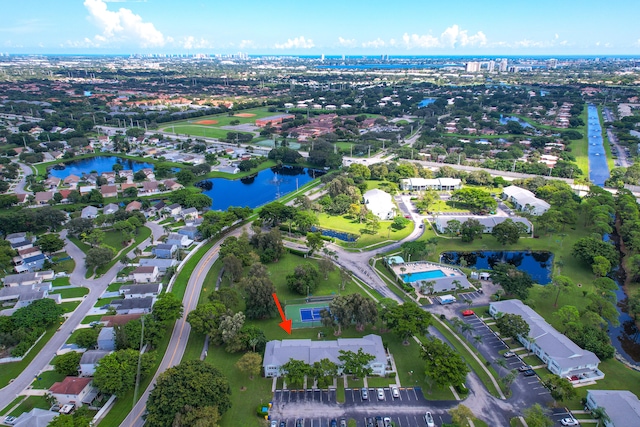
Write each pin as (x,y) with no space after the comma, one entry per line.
(344,224)
(71,292)
(29,403)
(46,380)
(199,130)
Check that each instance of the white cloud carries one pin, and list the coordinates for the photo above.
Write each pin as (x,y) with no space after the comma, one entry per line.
(452,37)
(247,44)
(377,43)
(297,43)
(193,43)
(346,42)
(123,25)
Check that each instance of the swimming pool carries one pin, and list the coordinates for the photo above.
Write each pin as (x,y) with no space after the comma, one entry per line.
(423,275)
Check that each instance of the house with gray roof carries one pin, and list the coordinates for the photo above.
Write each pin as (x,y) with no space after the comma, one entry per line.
(380,203)
(16,237)
(89,212)
(562,356)
(277,352)
(89,360)
(164,250)
(159,263)
(133,305)
(35,418)
(180,240)
(621,407)
(110,209)
(141,290)
(27,279)
(106,339)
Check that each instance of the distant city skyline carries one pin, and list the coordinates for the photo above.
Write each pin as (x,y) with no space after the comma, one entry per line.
(374,27)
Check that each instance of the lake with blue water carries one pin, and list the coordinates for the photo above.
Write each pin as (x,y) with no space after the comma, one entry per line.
(258,189)
(538,264)
(505,119)
(426,102)
(99,164)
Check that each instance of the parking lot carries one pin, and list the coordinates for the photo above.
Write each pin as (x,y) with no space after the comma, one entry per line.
(316,408)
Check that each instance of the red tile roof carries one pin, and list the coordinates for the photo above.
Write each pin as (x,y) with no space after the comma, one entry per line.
(119,319)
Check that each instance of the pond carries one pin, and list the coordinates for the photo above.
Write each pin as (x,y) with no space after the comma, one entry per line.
(537,263)
(505,119)
(257,189)
(99,164)
(347,237)
(626,337)
(426,102)
(598,167)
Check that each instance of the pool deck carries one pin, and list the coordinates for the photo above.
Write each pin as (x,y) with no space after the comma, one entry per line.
(423,266)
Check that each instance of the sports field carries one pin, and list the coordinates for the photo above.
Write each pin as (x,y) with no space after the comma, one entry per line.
(305,315)
(222,119)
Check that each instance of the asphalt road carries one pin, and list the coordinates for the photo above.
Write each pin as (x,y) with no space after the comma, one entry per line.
(41,360)
(181,330)
(26,171)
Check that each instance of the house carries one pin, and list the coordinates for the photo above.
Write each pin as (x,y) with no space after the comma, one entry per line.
(72,181)
(86,189)
(119,319)
(25,244)
(16,237)
(189,213)
(173,209)
(148,172)
(524,200)
(109,191)
(442,222)
(125,185)
(71,390)
(161,263)
(561,355)
(423,184)
(180,240)
(89,212)
(380,204)
(141,290)
(27,279)
(157,207)
(191,232)
(106,339)
(33,262)
(111,208)
(165,250)
(622,408)
(35,418)
(274,120)
(277,352)
(145,275)
(89,360)
(52,182)
(133,206)
(133,305)
(25,295)
(43,197)
(65,195)
(171,185)
(150,187)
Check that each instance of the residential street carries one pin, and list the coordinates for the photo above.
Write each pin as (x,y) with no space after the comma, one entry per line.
(96,288)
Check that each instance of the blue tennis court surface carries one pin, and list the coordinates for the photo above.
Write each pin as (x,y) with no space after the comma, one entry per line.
(311,314)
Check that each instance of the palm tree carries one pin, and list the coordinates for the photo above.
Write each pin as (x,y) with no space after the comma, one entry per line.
(469,302)
(477,339)
(600,414)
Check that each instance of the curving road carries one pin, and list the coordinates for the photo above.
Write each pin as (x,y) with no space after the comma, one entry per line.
(181,330)
(26,171)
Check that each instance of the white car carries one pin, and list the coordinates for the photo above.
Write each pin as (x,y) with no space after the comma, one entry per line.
(274,423)
(428,418)
(569,421)
(395,392)
(380,394)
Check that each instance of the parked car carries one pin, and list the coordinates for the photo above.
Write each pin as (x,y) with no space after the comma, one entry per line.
(569,421)
(274,423)
(334,423)
(468,313)
(387,422)
(283,424)
(380,394)
(395,392)
(370,422)
(379,422)
(529,373)
(343,423)
(299,422)
(364,393)
(10,420)
(428,418)
(509,354)
(524,368)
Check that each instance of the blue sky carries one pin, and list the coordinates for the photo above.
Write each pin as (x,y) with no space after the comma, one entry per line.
(350,27)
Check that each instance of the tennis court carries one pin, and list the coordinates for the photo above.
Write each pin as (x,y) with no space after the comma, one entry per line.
(305,315)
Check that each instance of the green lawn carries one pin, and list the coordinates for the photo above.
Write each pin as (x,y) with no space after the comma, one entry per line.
(61,281)
(115,286)
(198,130)
(10,371)
(46,380)
(71,292)
(380,381)
(15,401)
(69,306)
(341,223)
(91,318)
(29,403)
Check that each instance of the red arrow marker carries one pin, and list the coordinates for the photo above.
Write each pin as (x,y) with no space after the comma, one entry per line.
(286,323)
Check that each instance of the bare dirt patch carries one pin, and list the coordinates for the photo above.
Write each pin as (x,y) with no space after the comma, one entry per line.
(207,122)
(244,115)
